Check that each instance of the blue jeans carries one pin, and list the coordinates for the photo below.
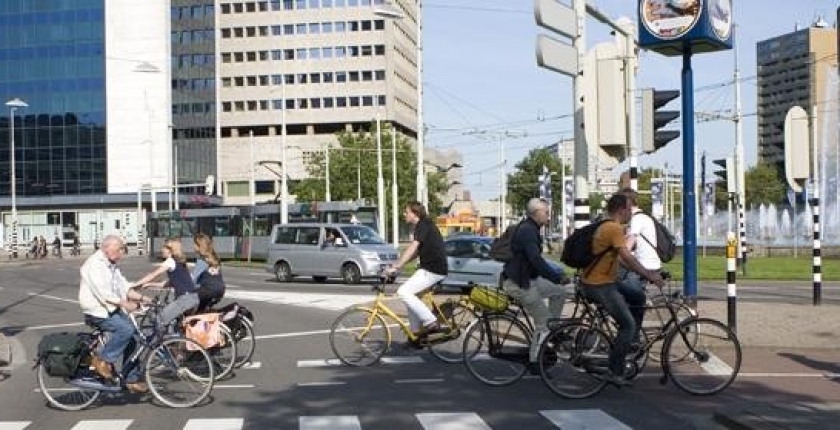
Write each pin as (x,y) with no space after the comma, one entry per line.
(121,342)
(616,307)
(183,303)
(632,287)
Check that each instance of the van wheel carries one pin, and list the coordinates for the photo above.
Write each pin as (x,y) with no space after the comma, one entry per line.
(319,278)
(283,272)
(350,273)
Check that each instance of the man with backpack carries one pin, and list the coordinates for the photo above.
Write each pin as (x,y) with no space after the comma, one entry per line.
(599,280)
(529,278)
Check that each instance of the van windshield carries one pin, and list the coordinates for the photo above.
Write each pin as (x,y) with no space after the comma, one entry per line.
(362,235)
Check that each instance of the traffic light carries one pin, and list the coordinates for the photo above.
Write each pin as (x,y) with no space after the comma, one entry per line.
(727,175)
(653,119)
(209,185)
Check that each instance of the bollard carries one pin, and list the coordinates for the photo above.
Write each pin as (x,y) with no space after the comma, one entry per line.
(731,268)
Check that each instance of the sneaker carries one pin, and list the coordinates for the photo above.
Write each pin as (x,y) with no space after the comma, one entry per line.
(137,387)
(433,328)
(101,367)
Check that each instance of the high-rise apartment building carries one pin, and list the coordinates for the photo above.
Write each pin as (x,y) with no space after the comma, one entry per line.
(792,69)
(293,73)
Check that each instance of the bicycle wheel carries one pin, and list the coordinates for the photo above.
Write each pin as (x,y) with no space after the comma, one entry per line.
(359,337)
(246,342)
(703,356)
(223,356)
(455,316)
(656,316)
(61,393)
(496,349)
(179,372)
(571,357)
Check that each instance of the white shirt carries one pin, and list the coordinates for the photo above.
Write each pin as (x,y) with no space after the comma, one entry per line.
(641,228)
(102,284)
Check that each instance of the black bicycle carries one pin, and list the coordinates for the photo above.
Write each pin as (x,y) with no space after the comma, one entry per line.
(178,371)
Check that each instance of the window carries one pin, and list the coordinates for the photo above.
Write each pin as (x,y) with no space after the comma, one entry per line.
(276,30)
(340,52)
(327,52)
(251,31)
(315,103)
(380,75)
(252,105)
(314,28)
(340,27)
(328,77)
(341,102)
(381,100)
(252,81)
(263,55)
(341,76)
(300,29)
(366,25)
(238,57)
(367,75)
(226,82)
(379,49)
(367,101)
(326,27)
(379,24)
(263,30)
(354,25)
(226,106)
(283,235)
(367,50)
(288,29)
(225,57)
(328,102)
(300,53)
(263,80)
(263,104)
(289,79)
(277,104)
(239,81)
(251,56)
(354,76)
(315,78)
(308,236)
(225,33)
(354,101)
(237,32)
(237,188)
(353,51)
(302,103)
(302,78)
(314,53)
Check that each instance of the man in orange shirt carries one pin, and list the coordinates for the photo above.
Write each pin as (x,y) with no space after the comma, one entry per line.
(600,280)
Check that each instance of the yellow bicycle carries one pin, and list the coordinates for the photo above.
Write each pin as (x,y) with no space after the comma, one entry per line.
(361,335)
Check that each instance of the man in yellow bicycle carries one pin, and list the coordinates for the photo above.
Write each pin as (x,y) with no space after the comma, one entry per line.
(427,244)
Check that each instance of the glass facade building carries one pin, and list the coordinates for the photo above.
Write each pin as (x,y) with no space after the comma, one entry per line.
(52,57)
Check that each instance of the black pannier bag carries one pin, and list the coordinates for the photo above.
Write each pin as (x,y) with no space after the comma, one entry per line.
(60,353)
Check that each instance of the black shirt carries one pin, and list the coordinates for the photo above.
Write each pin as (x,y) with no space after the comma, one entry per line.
(432,253)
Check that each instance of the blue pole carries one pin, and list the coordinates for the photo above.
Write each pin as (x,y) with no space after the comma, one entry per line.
(689,190)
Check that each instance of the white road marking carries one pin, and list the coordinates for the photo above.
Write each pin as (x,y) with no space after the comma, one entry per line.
(51,326)
(330,422)
(417,381)
(320,384)
(232,386)
(15,425)
(252,365)
(293,334)
(336,362)
(102,425)
(312,300)
(583,419)
(452,421)
(716,366)
(214,424)
(47,296)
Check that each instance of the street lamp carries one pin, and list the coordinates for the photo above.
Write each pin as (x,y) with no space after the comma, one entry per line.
(391,13)
(13,104)
(441,169)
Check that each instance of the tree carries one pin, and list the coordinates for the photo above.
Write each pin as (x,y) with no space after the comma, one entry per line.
(523,182)
(353,171)
(763,186)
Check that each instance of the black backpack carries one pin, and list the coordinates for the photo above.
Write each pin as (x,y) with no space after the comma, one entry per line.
(577,249)
(500,249)
(666,245)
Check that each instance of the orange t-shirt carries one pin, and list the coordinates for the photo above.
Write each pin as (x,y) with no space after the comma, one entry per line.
(605,270)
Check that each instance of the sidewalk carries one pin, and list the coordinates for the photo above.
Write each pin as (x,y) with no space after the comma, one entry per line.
(780,325)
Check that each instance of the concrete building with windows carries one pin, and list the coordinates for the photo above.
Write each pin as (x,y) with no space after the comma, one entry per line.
(792,69)
(293,73)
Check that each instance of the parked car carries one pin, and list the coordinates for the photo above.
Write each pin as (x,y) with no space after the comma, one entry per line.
(469,261)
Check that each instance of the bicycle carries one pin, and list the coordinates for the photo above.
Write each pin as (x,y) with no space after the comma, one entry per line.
(360,336)
(702,355)
(497,344)
(240,322)
(177,370)
(224,355)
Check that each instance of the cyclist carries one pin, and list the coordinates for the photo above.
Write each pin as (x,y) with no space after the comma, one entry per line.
(599,281)
(641,240)
(207,272)
(529,278)
(103,293)
(175,266)
(427,244)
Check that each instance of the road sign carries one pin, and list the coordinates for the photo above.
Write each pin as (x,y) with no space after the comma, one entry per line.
(557,56)
(797,150)
(556,17)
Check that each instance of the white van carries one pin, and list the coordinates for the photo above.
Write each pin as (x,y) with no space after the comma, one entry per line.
(326,250)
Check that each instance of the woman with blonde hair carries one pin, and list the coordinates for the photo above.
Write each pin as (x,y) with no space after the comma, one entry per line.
(207,273)
(175,267)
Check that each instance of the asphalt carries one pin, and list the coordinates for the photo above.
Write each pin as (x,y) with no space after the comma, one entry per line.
(765,324)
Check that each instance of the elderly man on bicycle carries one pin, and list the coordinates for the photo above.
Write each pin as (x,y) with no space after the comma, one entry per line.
(103,294)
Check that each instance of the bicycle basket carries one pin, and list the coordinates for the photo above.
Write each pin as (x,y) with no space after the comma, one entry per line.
(492,299)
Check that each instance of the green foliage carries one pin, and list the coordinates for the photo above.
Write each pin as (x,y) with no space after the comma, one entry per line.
(763,185)
(353,171)
(522,183)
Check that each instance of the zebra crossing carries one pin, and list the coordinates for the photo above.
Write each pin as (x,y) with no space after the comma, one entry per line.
(571,419)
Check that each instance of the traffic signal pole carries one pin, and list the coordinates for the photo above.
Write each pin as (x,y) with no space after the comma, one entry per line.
(689,189)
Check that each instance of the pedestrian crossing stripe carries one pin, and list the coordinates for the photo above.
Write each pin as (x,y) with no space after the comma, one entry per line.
(329,362)
(578,419)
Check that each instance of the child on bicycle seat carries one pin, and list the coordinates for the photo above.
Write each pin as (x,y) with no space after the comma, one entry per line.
(175,266)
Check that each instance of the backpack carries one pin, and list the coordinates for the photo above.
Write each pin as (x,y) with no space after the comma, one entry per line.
(577,249)
(500,249)
(61,353)
(666,245)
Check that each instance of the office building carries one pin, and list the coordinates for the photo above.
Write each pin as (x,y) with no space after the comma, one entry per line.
(792,70)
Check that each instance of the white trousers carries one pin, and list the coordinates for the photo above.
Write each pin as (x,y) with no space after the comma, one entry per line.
(419,314)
